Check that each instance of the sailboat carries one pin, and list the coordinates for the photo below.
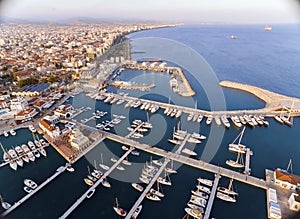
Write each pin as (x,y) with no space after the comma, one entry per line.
(239,148)
(170,169)
(165,181)
(267,28)
(4,204)
(157,192)
(136,212)
(118,210)
(238,163)
(229,190)
(103,166)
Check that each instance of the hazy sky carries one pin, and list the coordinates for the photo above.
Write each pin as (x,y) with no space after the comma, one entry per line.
(228,11)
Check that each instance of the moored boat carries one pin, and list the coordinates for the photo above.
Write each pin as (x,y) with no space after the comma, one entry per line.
(138,187)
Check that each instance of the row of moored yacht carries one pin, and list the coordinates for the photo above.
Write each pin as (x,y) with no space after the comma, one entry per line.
(15,156)
(12,132)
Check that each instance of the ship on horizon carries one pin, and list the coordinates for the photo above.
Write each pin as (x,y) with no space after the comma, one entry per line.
(268,28)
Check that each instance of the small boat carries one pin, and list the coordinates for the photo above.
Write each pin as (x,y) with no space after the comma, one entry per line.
(203,189)
(70,169)
(118,210)
(229,190)
(32,128)
(30,183)
(27,189)
(157,193)
(5,133)
(225,121)
(42,151)
(152,197)
(126,162)
(138,187)
(178,114)
(165,181)
(193,140)
(193,206)
(267,28)
(200,117)
(105,183)
(114,160)
(190,116)
(157,162)
(4,204)
(198,201)
(136,212)
(119,167)
(13,165)
(124,148)
(88,181)
(225,197)
(90,193)
(36,154)
(200,194)
(103,166)
(205,181)
(31,145)
(12,132)
(188,152)
(194,213)
(144,179)
(198,136)
(218,120)
(238,163)
(209,120)
(135,153)
(233,37)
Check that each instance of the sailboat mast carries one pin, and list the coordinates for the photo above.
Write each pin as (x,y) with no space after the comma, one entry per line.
(230,184)
(242,133)
(290,166)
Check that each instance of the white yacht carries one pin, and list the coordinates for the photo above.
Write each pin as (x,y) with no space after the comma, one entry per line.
(225,197)
(193,140)
(136,212)
(5,133)
(178,114)
(188,152)
(152,197)
(118,210)
(195,213)
(30,183)
(205,181)
(200,194)
(198,136)
(225,121)
(12,132)
(200,117)
(32,128)
(4,204)
(209,120)
(190,116)
(102,165)
(12,153)
(137,187)
(218,120)
(203,189)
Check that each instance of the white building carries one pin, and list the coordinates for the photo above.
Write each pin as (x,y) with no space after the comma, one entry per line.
(294,202)
(48,125)
(78,140)
(18,104)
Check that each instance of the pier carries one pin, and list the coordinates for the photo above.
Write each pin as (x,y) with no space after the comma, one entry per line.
(96,184)
(146,190)
(247,164)
(22,200)
(133,131)
(183,143)
(199,164)
(212,197)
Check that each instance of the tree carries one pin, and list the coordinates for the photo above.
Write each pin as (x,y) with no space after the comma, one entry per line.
(51,79)
(44,80)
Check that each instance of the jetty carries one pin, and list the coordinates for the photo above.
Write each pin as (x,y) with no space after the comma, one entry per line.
(147,189)
(247,163)
(212,197)
(96,184)
(199,164)
(59,171)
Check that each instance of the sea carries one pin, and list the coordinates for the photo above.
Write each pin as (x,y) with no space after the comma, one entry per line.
(208,55)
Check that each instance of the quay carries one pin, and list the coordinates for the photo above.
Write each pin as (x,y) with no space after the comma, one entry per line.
(22,200)
(212,197)
(247,164)
(146,190)
(199,164)
(129,86)
(185,88)
(96,184)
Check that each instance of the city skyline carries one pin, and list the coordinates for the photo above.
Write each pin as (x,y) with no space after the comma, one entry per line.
(191,11)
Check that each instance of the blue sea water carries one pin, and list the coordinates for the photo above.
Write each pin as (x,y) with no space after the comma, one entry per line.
(265,59)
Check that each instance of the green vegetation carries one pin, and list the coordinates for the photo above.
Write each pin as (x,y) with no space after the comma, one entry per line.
(28,81)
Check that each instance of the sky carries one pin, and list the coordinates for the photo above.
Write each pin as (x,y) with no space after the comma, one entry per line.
(188,11)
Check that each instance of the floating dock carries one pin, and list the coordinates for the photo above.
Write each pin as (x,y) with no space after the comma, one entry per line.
(212,197)
(247,164)
(96,184)
(22,200)
(199,164)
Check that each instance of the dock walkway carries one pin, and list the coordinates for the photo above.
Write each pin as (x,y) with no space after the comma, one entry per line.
(133,131)
(26,197)
(247,164)
(212,197)
(96,184)
(146,190)
(199,164)
(178,151)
